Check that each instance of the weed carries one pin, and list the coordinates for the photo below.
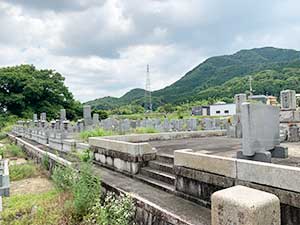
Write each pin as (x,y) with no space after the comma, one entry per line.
(63,178)
(99,132)
(115,210)
(23,171)
(145,130)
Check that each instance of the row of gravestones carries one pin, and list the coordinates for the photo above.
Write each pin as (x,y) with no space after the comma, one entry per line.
(164,125)
(64,128)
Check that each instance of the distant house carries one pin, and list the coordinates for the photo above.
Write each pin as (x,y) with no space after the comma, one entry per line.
(222,109)
(218,109)
(200,110)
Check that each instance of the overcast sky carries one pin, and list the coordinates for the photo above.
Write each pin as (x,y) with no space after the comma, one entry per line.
(102,47)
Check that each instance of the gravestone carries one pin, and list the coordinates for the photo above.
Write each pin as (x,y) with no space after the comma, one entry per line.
(43,116)
(35,117)
(261,135)
(63,115)
(288,100)
(96,119)
(87,115)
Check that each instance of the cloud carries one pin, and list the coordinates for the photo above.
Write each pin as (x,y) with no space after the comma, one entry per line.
(103,47)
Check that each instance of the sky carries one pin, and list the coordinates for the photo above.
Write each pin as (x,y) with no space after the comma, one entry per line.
(102,47)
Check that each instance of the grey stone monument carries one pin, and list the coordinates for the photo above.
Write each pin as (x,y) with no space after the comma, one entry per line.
(43,116)
(288,100)
(87,115)
(96,119)
(261,133)
(35,117)
(63,115)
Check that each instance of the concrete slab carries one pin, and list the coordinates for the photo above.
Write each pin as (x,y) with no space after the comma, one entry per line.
(209,163)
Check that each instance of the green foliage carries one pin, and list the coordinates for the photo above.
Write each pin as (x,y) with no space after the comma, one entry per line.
(145,130)
(12,150)
(84,156)
(46,162)
(23,171)
(102,114)
(98,132)
(25,89)
(84,187)
(115,210)
(63,178)
(86,191)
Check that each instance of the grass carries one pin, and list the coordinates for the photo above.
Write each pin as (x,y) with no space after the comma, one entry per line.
(23,171)
(11,150)
(145,130)
(37,209)
(99,132)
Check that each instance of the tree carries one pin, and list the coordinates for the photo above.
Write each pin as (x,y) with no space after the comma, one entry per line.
(25,90)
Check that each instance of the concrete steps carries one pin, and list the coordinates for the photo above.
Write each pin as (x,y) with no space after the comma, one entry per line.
(159,173)
(161,166)
(165,158)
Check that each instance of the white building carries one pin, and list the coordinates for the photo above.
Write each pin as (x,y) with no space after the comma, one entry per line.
(222,109)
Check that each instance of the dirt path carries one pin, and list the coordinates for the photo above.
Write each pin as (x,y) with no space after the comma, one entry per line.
(34,185)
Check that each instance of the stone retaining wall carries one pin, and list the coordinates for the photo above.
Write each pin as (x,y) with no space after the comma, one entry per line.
(198,176)
(122,156)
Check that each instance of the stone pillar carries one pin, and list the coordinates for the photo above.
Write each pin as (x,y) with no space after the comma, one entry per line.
(239,100)
(35,117)
(288,100)
(244,206)
(63,115)
(87,115)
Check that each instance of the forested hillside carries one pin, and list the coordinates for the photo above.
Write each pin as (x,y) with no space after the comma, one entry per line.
(223,76)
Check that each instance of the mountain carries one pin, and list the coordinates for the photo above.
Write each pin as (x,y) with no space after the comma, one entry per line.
(112,102)
(213,73)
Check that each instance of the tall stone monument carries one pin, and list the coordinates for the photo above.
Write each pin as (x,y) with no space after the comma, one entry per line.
(288,100)
(43,116)
(63,115)
(260,129)
(87,115)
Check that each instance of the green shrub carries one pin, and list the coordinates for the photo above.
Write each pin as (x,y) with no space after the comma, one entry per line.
(63,178)
(84,156)
(46,162)
(23,171)
(86,191)
(99,132)
(115,210)
(84,187)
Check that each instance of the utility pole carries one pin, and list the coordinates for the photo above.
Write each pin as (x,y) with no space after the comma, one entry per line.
(148,97)
(250,84)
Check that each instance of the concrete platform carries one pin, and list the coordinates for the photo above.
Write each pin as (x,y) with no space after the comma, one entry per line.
(222,146)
